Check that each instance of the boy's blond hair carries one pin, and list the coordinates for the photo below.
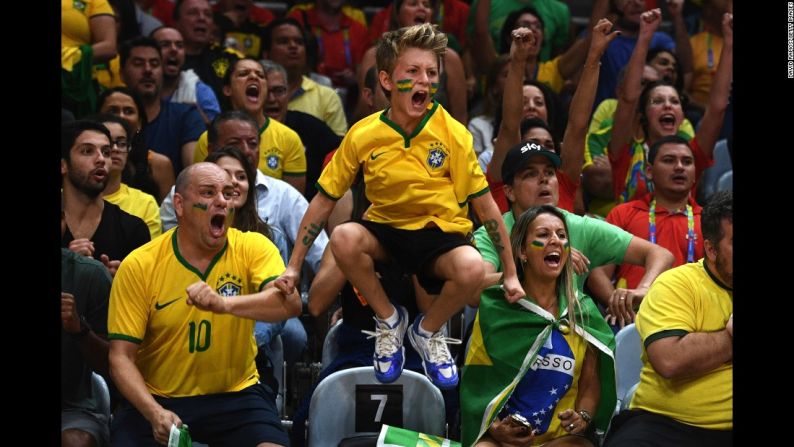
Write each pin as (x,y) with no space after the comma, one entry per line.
(425,37)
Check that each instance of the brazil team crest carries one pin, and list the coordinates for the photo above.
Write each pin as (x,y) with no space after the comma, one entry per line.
(272,158)
(437,155)
(230,285)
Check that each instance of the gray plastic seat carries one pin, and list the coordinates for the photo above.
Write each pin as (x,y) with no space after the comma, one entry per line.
(333,406)
(628,360)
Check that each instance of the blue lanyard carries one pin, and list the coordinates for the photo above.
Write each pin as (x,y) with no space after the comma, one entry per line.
(690,220)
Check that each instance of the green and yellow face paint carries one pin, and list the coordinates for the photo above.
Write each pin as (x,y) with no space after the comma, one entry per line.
(566,246)
(433,88)
(405,85)
(201,206)
(537,245)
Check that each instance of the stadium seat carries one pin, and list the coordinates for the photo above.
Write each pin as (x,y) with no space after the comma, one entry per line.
(628,361)
(330,348)
(708,183)
(332,412)
(725,183)
(277,347)
(99,389)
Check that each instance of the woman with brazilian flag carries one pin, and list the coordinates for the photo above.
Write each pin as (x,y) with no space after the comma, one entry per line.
(540,370)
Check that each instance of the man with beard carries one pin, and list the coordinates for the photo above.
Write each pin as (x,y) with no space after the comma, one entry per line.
(668,217)
(173,128)
(685,394)
(94,227)
(181,324)
(183,86)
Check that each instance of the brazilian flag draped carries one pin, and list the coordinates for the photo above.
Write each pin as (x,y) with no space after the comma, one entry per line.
(505,341)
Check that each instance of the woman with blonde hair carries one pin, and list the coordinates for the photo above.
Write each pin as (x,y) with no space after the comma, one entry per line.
(540,370)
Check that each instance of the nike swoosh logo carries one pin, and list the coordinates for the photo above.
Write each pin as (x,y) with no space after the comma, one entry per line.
(373,156)
(158,306)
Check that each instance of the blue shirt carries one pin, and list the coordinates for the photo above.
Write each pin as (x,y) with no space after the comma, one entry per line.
(617,55)
(175,126)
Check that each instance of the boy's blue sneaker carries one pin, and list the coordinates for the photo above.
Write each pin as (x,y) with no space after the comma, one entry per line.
(389,356)
(437,361)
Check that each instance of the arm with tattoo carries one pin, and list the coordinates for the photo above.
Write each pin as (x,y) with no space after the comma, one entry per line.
(486,209)
(310,227)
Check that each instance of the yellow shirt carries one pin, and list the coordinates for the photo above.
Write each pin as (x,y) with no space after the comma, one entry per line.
(139,204)
(549,74)
(685,300)
(76,28)
(184,351)
(703,76)
(322,102)
(280,150)
(413,181)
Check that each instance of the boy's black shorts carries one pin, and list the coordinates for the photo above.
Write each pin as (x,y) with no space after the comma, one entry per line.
(415,250)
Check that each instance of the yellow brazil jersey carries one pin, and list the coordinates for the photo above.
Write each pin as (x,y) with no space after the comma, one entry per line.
(684,300)
(280,150)
(413,181)
(184,351)
(75,20)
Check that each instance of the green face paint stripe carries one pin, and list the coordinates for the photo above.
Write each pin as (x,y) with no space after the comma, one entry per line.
(566,245)
(434,87)
(405,85)
(200,206)
(537,245)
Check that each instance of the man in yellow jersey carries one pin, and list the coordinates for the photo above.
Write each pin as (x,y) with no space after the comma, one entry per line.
(685,394)
(180,323)
(420,173)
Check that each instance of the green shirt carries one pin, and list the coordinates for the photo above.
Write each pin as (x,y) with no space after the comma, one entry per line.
(602,242)
(556,21)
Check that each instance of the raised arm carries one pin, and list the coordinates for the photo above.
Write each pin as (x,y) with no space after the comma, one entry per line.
(311,225)
(582,102)
(509,133)
(572,59)
(683,47)
(456,85)
(484,51)
(711,123)
(631,87)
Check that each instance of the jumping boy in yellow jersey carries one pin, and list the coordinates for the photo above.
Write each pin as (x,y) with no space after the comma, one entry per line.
(420,172)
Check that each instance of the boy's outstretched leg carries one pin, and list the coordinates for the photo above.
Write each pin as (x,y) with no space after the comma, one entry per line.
(462,270)
(355,250)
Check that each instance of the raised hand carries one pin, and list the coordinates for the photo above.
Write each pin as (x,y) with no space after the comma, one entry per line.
(523,43)
(602,36)
(650,21)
